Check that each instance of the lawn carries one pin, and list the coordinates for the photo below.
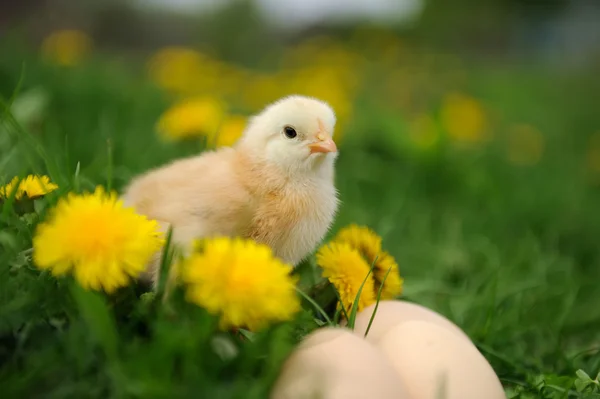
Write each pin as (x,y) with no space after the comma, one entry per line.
(481,178)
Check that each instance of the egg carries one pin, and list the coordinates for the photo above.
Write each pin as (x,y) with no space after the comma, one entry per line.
(333,363)
(431,358)
(393,312)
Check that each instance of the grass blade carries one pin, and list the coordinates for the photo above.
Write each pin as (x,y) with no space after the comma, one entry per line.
(377,301)
(342,307)
(17,89)
(109,166)
(76,181)
(166,261)
(354,309)
(96,315)
(315,305)
(31,141)
(336,317)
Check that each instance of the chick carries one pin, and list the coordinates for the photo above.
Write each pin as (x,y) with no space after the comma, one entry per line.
(275,185)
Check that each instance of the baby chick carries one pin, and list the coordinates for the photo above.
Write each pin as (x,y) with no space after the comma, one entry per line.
(275,185)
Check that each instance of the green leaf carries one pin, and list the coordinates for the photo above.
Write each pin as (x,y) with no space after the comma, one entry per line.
(564,381)
(39,205)
(315,305)
(29,218)
(583,375)
(224,347)
(581,385)
(30,105)
(166,263)
(97,317)
(22,259)
(249,335)
(539,381)
(512,393)
(148,297)
(319,322)
(8,241)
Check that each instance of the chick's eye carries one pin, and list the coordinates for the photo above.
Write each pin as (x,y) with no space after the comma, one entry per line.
(289,132)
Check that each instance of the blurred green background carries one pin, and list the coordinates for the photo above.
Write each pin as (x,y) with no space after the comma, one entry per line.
(469,136)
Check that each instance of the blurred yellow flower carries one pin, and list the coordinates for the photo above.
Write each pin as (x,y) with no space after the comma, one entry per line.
(242,282)
(176,68)
(95,237)
(391,50)
(368,245)
(464,118)
(31,186)
(259,90)
(229,132)
(525,145)
(344,267)
(326,84)
(232,80)
(383,42)
(191,117)
(321,62)
(361,238)
(593,154)
(398,89)
(393,282)
(66,47)
(423,132)
(317,51)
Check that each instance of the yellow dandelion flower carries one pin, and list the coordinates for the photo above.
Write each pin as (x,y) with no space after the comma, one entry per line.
(330,85)
(308,49)
(229,132)
(176,68)
(361,238)
(192,117)
(392,287)
(96,238)
(262,89)
(368,245)
(31,186)
(242,282)
(232,80)
(346,269)
(323,52)
(400,88)
(66,47)
(464,118)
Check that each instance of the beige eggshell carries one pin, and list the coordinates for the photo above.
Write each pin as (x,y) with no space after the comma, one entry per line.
(426,355)
(393,312)
(333,363)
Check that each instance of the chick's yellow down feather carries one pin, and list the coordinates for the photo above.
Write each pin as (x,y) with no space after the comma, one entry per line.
(275,185)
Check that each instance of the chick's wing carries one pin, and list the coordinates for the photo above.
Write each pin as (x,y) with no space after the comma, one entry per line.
(199,196)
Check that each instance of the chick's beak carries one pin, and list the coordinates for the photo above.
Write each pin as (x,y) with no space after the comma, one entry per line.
(324,144)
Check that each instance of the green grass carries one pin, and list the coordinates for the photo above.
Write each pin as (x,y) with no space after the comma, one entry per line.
(508,253)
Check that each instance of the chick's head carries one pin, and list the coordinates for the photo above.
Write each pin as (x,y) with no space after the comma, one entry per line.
(294,133)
